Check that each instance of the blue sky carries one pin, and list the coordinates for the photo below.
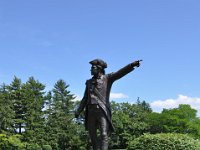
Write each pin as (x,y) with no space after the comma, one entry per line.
(52,40)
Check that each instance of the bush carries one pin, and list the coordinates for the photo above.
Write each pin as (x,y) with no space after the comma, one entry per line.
(164,142)
(11,142)
(33,146)
(46,147)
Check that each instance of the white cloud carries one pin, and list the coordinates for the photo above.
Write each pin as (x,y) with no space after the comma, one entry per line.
(77,98)
(118,95)
(158,105)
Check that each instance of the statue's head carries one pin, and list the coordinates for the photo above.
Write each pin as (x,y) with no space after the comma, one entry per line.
(98,66)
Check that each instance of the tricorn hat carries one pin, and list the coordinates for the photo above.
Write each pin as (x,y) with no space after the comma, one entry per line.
(99,63)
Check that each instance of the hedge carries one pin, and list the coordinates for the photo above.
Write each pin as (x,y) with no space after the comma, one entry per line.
(164,142)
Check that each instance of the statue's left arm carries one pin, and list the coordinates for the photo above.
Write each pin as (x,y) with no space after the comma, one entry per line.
(82,104)
(123,71)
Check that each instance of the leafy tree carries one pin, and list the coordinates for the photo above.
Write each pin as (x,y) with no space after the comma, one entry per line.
(177,120)
(193,128)
(155,121)
(129,121)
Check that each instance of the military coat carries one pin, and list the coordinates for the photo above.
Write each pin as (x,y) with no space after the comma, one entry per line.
(97,91)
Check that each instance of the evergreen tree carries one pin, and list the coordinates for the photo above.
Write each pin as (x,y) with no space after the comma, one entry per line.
(143,105)
(16,97)
(34,117)
(6,111)
(60,123)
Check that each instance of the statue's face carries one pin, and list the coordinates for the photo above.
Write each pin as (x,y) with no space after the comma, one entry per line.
(94,70)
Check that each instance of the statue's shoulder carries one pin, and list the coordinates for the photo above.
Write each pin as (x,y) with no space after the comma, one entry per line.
(109,75)
(88,81)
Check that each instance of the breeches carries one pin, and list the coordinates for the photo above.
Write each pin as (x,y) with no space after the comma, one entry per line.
(97,120)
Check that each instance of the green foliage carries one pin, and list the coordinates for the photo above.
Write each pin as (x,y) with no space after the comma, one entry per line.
(129,121)
(177,120)
(33,146)
(18,103)
(22,110)
(6,110)
(33,116)
(193,128)
(164,142)
(11,142)
(32,119)
(60,125)
(46,147)
(143,105)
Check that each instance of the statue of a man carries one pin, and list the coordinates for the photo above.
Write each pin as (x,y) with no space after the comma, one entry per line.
(96,101)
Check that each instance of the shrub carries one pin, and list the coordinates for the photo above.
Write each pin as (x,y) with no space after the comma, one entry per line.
(33,146)
(164,142)
(11,142)
(46,147)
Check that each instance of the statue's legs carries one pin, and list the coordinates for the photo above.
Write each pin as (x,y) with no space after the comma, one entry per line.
(104,132)
(93,126)
(97,120)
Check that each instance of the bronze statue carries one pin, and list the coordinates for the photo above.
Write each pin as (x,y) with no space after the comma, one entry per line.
(96,101)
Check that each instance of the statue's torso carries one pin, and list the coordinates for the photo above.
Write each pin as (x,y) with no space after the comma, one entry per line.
(98,90)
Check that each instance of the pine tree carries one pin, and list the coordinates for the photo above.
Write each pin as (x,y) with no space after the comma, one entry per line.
(34,117)
(6,111)
(60,124)
(16,97)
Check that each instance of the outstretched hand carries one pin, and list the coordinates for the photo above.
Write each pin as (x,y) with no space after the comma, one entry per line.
(136,63)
